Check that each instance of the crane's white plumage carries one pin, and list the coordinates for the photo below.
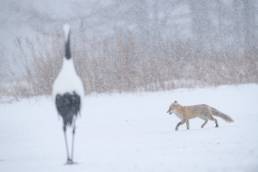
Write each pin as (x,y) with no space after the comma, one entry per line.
(68,80)
(66,30)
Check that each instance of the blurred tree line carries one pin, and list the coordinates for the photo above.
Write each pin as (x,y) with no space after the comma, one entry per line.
(144,45)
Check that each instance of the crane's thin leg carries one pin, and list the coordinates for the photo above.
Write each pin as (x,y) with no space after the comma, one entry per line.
(66,145)
(74,128)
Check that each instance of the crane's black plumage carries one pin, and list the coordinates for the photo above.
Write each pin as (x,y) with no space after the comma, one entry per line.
(68,106)
(68,54)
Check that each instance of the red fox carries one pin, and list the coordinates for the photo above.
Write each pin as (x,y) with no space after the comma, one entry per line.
(202,111)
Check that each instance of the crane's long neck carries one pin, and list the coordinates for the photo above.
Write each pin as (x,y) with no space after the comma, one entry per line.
(68,61)
(67,47)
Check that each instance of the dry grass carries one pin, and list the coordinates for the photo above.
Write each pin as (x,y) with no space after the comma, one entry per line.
(126,63)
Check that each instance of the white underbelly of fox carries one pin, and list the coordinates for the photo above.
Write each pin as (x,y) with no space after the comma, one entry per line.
(179,115)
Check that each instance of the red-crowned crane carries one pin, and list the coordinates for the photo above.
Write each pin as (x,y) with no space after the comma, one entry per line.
(68,93)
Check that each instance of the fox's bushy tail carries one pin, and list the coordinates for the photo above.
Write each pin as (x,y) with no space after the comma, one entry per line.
(227,118)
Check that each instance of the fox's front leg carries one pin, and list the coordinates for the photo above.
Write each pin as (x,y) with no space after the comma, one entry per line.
(180,123)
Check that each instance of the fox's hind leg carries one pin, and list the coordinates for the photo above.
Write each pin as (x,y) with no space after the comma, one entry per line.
(216,122)
(205,122)
(180,123)
(187,124)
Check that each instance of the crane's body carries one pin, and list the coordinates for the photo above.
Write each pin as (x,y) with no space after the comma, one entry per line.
(68,94)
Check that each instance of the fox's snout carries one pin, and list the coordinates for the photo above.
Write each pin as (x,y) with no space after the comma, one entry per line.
(169,112)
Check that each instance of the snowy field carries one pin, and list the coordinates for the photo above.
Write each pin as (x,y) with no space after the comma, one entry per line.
(132,132)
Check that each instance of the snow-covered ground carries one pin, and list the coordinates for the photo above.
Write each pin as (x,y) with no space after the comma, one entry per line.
(132,132)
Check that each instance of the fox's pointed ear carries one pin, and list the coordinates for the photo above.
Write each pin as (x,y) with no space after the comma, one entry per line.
(175,102)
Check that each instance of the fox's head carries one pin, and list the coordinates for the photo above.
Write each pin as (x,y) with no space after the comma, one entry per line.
(172,107)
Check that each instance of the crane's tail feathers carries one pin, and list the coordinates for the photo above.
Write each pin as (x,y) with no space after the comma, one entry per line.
(67,32)
(222,115)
